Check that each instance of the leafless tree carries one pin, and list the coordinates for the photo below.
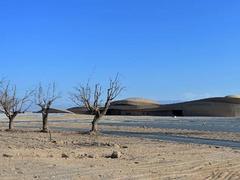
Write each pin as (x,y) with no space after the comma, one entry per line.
(10,104)
(44,98)
(84,96)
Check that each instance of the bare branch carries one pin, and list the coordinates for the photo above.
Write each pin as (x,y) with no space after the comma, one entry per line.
(45,98)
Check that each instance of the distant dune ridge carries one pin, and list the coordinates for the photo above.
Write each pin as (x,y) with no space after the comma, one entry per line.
(135,102)
(78,110)
(228,106)
(55,110)
(233,96)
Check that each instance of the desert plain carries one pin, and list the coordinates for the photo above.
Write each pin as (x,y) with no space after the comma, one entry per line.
(127,148)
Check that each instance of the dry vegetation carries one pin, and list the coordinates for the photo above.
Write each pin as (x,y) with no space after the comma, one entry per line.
(44,98)
(91,99)
(10,104)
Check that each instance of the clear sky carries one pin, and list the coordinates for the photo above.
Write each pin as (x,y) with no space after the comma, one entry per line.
(163,49)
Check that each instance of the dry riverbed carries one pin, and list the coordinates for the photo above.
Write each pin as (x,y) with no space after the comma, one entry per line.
(28,154)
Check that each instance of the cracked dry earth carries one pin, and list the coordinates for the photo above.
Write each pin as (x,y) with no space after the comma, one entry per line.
(31,155)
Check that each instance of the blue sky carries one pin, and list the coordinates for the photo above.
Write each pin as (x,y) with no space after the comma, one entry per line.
(163,49)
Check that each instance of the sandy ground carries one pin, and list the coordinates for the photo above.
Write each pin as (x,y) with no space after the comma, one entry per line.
(28,154)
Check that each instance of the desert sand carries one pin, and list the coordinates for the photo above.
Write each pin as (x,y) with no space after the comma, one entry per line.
(70,154)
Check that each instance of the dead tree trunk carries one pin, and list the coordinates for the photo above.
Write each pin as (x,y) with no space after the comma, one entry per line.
(11,118)
(45,120)
(96,118)
(98,115)
(94,124)
(10,125)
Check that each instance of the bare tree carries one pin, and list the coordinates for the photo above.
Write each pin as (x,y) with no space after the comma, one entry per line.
(84,96)
(44,98)
(10,104)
